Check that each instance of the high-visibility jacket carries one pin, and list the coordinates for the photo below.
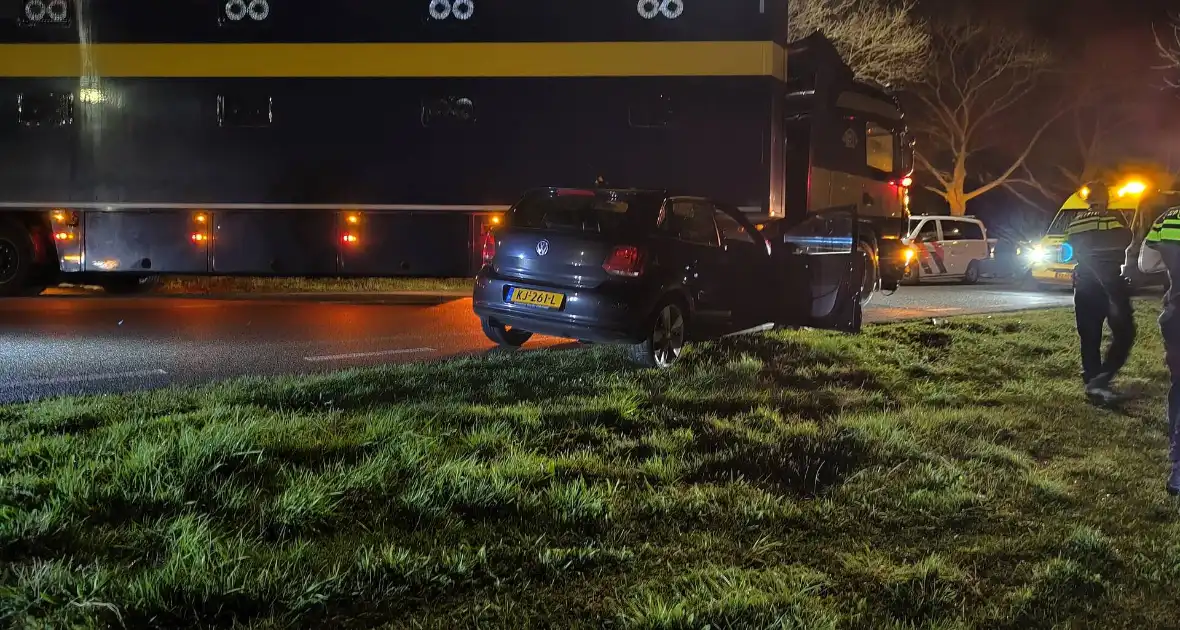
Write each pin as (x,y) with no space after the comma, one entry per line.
(1166,228)
(1164,237)
(1099,237)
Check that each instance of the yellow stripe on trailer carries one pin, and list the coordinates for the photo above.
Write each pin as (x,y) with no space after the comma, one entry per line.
(578,59)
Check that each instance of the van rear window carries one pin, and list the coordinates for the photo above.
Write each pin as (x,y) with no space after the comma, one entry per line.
(573,210)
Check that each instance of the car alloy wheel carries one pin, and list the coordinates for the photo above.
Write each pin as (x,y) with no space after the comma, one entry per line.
(667,340)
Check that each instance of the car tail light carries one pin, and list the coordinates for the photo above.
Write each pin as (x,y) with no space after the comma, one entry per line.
(488,248)
(626,261)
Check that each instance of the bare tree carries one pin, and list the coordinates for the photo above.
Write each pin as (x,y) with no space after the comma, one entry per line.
(881,42)
(1088,145)
(1169,48)
(968,101)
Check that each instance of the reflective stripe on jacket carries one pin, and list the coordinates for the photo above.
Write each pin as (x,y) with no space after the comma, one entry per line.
(1099,237)
(1166,228)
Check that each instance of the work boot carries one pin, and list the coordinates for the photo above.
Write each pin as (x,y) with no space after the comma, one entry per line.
(1100,395)
(1098,389)
(1174,480)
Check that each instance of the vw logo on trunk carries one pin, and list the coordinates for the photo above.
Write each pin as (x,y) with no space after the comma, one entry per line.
(542,248)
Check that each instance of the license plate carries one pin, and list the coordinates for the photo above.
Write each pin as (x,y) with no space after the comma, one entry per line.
(1064,275)
(532,297)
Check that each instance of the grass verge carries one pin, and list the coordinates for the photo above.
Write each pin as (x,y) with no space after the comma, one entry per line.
(915,476)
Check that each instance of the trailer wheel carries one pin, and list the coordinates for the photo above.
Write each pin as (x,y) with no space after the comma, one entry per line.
(871,280)
(128,285)
(17,268)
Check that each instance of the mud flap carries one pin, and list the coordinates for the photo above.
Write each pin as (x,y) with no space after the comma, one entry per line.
(817,272)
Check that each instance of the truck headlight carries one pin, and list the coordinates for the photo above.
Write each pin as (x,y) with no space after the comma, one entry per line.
(1038,254)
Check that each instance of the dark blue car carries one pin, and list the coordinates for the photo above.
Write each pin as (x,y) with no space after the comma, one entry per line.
(635,267)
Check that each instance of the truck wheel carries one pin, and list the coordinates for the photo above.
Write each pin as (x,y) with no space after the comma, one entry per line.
(16,260)
(128,285)
(871,279)
(502,335)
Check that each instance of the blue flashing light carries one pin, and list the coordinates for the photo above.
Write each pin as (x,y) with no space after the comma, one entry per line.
(1066,252)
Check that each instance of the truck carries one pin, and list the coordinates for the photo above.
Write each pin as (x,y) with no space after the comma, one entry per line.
(1051,260)
(310,139)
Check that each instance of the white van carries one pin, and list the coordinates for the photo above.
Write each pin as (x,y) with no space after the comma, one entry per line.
(948,248)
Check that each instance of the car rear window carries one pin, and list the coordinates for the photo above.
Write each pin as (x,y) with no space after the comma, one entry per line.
(595,211)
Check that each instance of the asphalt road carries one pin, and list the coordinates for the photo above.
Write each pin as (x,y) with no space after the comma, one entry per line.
(88,344)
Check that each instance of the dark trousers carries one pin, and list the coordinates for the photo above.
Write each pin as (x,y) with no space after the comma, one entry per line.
(1170,327)
(1102,296)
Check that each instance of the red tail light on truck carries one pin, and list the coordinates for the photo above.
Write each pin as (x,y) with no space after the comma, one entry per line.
(488,247)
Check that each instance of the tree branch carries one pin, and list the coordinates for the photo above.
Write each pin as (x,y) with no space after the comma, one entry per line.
(1168,47)
(925,165)
(881,41)
(977,76)
(1017,163)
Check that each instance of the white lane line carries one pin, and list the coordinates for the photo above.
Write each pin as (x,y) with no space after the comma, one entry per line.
(64,380)
(365,355)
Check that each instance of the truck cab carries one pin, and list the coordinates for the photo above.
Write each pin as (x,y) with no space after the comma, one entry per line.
(848,146)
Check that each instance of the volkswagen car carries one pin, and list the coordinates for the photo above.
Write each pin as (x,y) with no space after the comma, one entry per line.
(636,267)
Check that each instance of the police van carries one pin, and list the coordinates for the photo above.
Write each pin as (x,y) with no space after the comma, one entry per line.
(948,248)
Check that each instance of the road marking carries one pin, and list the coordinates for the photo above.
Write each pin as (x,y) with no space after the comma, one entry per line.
(63,380)
(365,355)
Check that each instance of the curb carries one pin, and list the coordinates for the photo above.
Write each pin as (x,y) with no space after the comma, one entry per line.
(359,297)
(392,297)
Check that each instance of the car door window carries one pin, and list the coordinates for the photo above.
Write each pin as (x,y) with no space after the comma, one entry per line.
(928,233)
(970,231)
(691,221)
(731,230)
(952,230)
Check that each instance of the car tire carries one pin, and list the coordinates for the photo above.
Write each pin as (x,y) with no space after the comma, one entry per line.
(972,275)
(502,335)
(17,268)
(666,337)
(871,279)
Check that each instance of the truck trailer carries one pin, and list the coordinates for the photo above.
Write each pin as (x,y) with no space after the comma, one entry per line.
(311,139)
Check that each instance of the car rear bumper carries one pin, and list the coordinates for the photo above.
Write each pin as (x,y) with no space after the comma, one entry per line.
(587,315)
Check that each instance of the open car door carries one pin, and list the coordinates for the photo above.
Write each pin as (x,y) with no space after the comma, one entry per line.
(817,271)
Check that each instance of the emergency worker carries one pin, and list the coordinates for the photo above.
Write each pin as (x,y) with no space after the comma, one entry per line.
(1161,252)
(1100,238)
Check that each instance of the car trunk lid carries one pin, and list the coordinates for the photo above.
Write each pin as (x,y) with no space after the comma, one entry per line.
(562,237)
